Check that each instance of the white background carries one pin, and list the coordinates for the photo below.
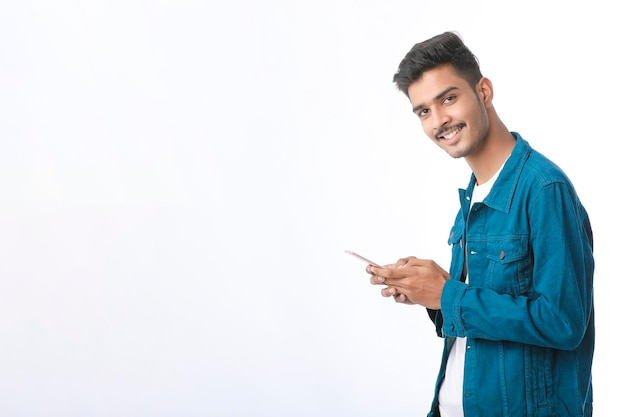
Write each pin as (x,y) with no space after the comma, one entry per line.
(179,179)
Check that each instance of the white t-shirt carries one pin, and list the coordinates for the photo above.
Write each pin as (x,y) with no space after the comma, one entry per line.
(451,391)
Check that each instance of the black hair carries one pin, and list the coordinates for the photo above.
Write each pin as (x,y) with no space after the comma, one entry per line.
(446,48)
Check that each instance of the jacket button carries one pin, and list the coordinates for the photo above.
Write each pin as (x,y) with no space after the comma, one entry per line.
(502,254)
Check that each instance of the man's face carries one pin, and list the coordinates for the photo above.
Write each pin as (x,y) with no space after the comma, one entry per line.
(452,113)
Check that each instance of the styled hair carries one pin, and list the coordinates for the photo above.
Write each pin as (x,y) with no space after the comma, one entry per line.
(443,49)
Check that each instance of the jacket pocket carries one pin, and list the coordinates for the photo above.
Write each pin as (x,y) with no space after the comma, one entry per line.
(510,265)
(539,377)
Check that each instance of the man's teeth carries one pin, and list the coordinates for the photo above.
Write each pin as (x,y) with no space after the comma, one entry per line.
(450,134)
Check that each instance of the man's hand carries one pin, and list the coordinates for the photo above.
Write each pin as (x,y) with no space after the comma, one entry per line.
(411,281)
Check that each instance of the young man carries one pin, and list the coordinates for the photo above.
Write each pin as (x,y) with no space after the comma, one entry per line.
(516,308)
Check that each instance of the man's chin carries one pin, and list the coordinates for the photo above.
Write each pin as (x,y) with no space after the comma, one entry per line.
(456,153)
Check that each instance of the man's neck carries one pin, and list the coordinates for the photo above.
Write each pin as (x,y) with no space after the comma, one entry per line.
(497,149)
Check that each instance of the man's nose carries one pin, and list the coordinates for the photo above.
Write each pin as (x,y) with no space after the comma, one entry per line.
(440,119)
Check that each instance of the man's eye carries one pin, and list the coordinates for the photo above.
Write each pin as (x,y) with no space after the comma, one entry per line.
(422,113)
(449,99)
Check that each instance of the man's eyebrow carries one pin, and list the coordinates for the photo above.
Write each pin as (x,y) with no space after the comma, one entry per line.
(437,97)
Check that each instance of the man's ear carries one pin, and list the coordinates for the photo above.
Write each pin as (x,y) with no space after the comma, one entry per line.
(484,89)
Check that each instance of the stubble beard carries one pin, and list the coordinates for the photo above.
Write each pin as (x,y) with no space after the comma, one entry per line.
(483,133)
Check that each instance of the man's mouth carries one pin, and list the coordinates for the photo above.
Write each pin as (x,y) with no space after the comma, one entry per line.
(450,133)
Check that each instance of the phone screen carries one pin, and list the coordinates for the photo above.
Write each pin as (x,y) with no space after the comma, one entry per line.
(363,258)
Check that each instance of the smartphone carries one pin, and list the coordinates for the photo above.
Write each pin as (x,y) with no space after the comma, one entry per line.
(349,252)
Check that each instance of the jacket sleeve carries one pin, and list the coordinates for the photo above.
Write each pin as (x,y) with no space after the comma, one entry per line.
(556,310)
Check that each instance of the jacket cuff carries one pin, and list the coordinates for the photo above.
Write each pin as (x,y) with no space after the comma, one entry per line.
(453,292)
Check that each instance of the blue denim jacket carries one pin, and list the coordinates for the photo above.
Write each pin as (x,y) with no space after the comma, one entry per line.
(528,312)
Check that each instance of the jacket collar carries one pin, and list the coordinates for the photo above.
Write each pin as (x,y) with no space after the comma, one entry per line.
(501,195)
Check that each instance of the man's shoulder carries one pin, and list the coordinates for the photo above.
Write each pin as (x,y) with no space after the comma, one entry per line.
(542,169)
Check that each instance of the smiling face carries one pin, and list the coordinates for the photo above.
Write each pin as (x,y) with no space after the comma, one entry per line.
(453,114)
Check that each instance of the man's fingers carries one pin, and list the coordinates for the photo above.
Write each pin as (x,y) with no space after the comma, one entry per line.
(397,296)
(389,292)
(385,292)
(377,280)
(400,298)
